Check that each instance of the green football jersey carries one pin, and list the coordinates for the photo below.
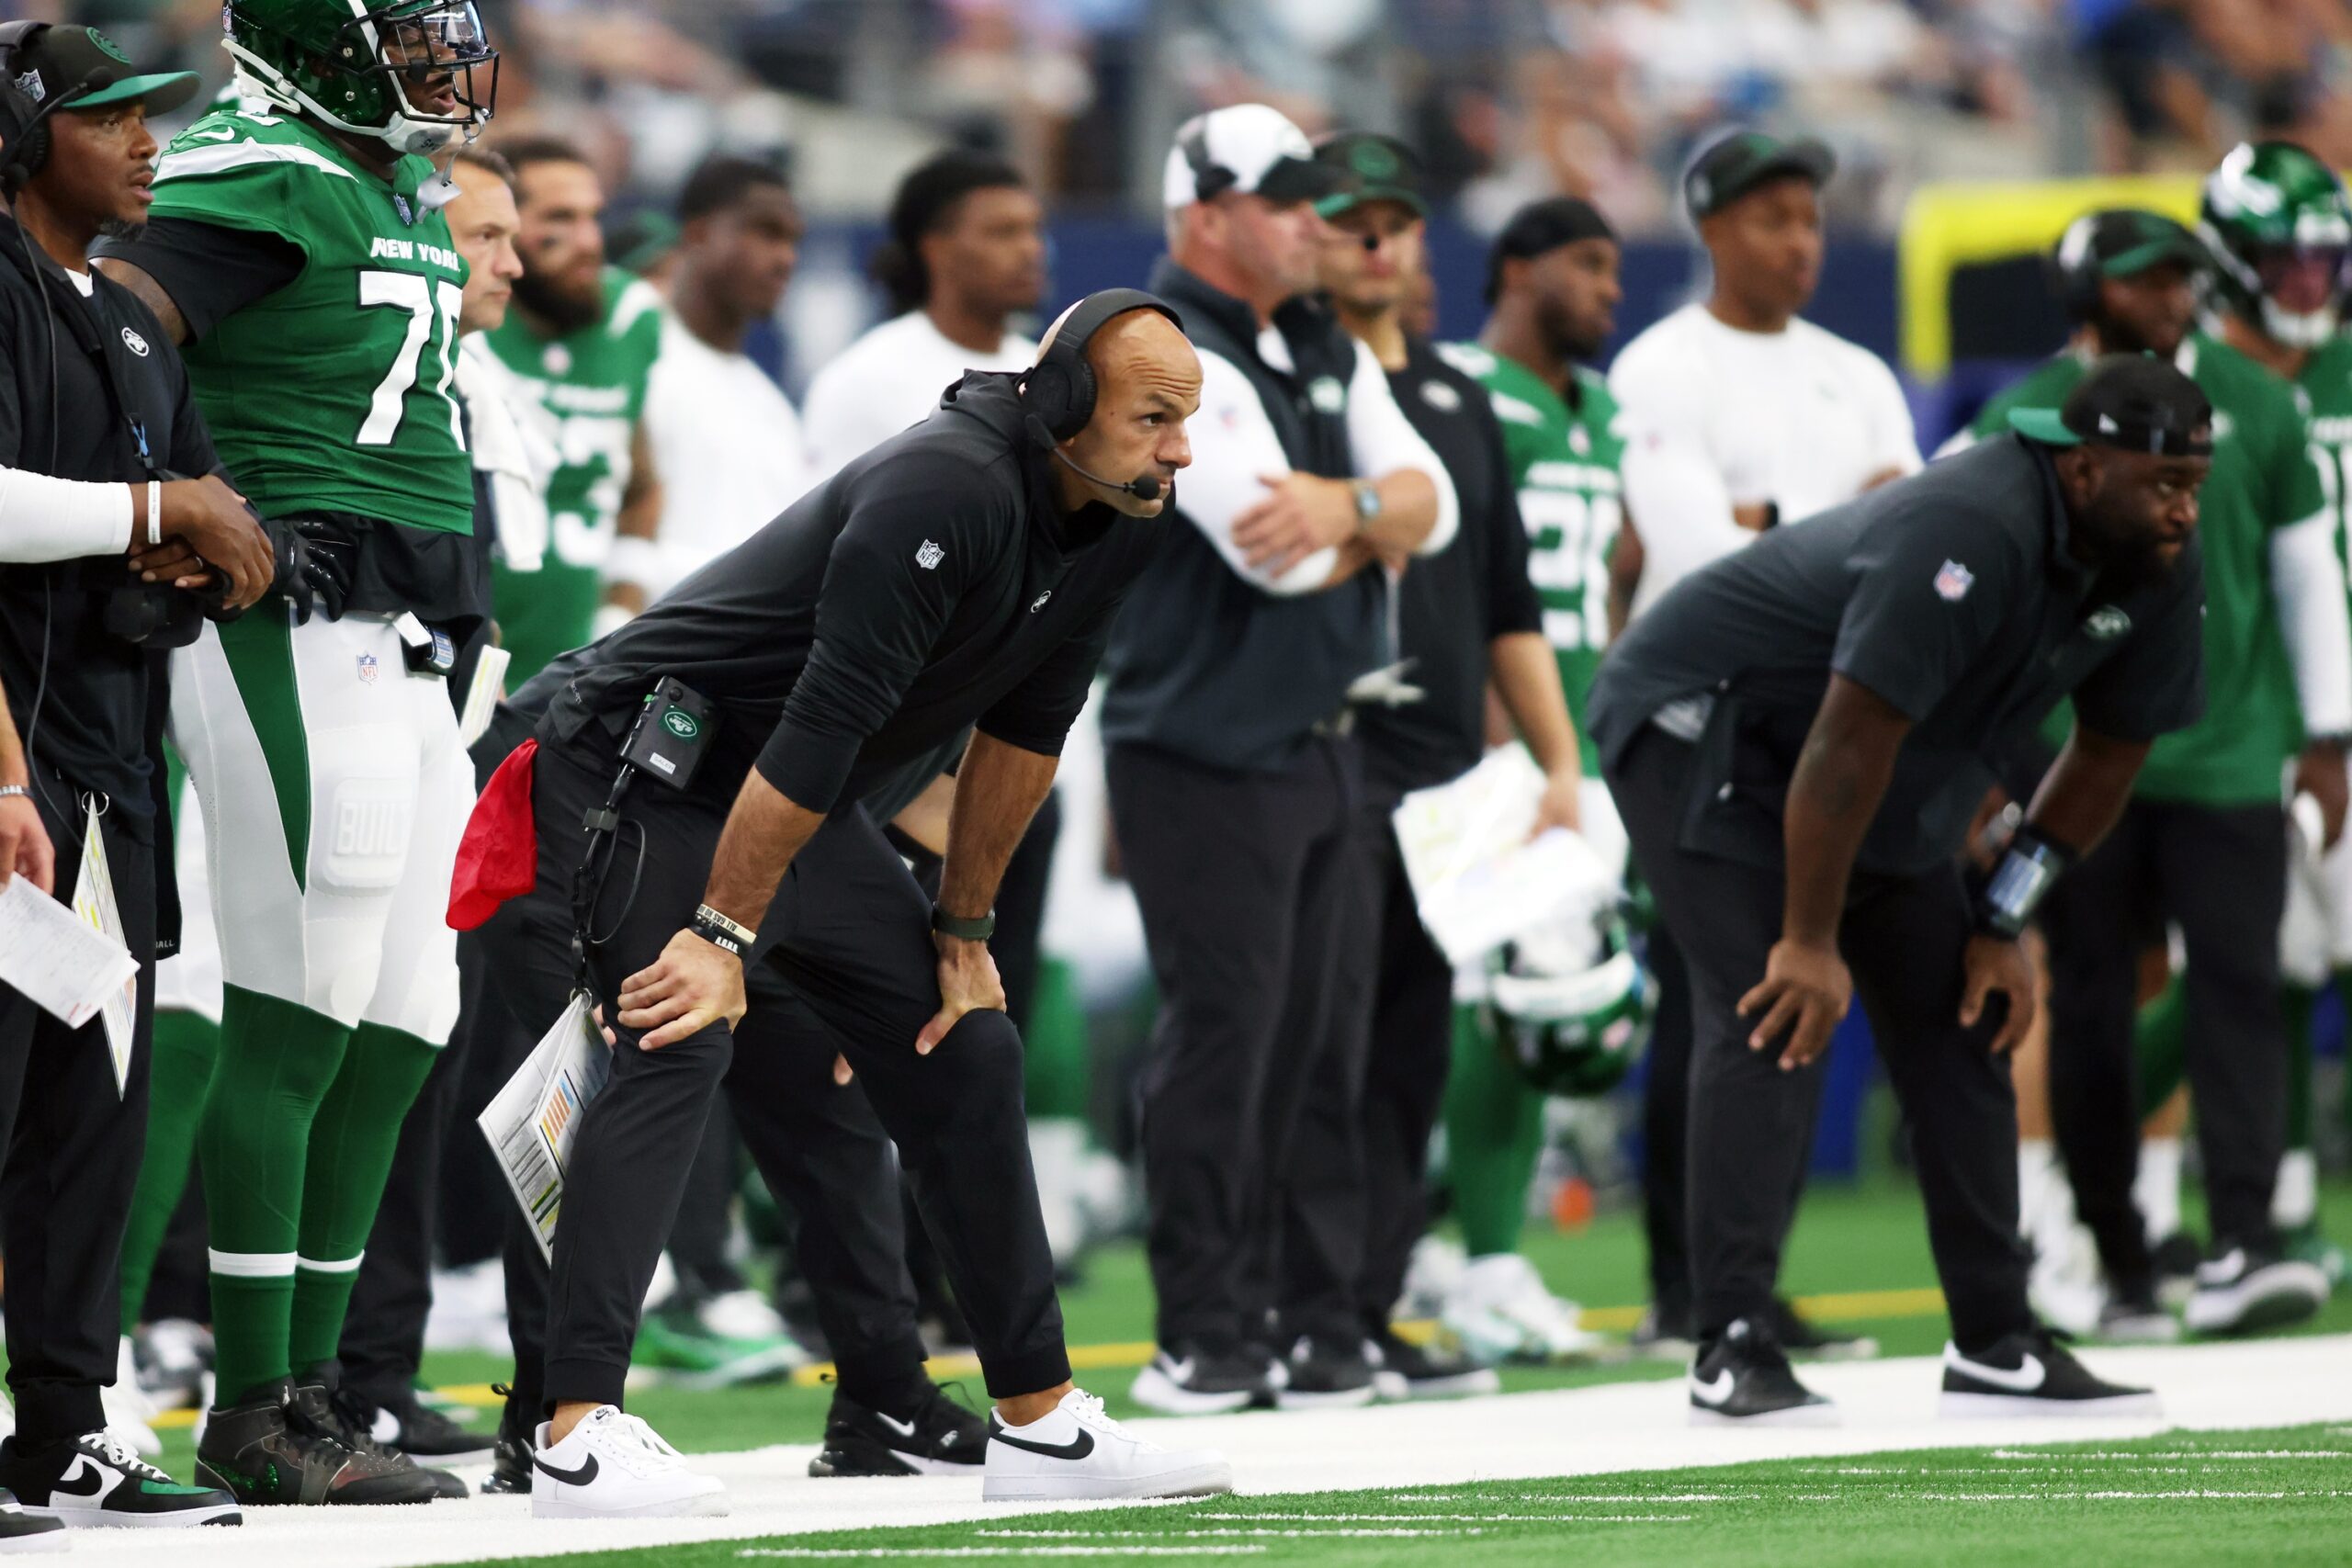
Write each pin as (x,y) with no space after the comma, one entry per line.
(591,383)
(331,394)
(1565,461)
(2326,385)
(2264,478)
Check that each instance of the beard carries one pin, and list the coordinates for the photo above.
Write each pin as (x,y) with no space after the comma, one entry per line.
(565,312)
(1563,334)
(2126,562)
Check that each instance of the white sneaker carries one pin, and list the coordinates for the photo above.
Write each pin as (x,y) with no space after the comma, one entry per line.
(128,1409)
(8,1418)
(1502,1312)
(614,1466)
(1430,1278)
(1078,1452)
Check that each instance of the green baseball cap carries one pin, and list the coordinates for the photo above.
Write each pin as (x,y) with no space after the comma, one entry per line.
(1732,165)
(1376,168)
(2123,241)
(54,61)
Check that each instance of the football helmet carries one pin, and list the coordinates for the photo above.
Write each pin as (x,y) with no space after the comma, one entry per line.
(2280,230)
(1574,1005)
(407,73)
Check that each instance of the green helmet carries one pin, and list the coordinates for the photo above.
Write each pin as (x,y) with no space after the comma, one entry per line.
(2280,230)
(1574,1024)
(399,70)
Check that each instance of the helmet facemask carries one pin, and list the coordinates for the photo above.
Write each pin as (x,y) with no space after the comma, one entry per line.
(406,74)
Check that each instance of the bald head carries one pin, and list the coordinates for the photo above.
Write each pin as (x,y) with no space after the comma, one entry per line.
(1147,383)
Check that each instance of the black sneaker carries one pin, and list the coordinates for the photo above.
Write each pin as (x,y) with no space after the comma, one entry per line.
(1197,1376)
(351,1420)
(2176,1259)
(1809,1341)
(941,1439)
(95,1480)
(1327,1371)
(1742,1378)
(422,1431)
(2136,1317)
(510,1465)
(2253,1286)
(1402,1370)
(263,1450)
(2033,1374)
(1664,1333)
(20,1531)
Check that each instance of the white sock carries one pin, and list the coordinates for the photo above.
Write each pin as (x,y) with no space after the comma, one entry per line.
(2037,1164)
(2157,1190)
(2295,1199)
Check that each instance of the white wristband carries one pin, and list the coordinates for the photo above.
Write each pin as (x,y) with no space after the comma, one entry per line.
(154,512)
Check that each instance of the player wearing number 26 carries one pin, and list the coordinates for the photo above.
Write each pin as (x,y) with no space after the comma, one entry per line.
(298,248)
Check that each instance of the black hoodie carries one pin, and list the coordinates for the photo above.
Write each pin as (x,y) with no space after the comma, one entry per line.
(930,586)
(95,711)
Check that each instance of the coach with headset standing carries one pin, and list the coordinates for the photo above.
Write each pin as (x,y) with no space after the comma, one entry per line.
(960,576)
(1234,773)
(101,549)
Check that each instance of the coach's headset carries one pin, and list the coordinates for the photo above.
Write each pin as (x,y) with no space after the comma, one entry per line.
(2076,269)
(1058,392)
(22,123)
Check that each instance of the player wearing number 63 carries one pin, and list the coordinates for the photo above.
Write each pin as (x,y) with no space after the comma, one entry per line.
(300,251)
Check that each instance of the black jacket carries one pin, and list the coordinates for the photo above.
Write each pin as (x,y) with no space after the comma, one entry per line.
(930,586)
(97,712)
(1202,663)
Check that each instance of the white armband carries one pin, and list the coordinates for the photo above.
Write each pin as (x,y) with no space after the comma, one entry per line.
(46,519)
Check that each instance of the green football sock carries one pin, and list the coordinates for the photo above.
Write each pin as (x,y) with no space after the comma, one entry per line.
(2160,1041)
(1494,1132)
(277,1060)
(352,1142)
(1055,1067)
(179,1077)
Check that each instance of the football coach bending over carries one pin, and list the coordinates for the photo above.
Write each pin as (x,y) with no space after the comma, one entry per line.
(961,575)
(1795,736)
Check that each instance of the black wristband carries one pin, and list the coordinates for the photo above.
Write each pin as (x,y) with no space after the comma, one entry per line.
(716,935)
(2023,877)
(961,928)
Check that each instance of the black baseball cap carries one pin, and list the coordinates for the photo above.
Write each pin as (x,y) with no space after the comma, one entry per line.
(1542,226)
(2132,402)
(53,61)
(1376,168)
(1732,165)
(2123,241)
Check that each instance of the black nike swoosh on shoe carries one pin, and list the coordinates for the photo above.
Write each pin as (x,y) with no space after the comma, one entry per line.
(580,1477)
(1076,1448)
(87,1473)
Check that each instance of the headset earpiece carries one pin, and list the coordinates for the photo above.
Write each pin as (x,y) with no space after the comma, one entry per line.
(22,152)
(1058,392)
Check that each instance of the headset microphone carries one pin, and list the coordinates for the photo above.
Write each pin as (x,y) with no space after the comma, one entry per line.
(1144,489)
(20,162)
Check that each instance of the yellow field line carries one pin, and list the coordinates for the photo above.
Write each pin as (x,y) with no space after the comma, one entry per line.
(1841,1307)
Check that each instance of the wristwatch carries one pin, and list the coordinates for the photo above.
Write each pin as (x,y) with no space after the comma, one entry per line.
(1367,496)
(961,928)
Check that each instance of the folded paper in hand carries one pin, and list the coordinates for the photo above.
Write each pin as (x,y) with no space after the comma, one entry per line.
(533,1122)
(56,957)
(1477,878)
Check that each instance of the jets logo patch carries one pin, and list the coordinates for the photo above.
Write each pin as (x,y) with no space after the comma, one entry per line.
(1441,397)
(930,555)
(2106,623)
(1952,581)
(134,343)
(1039,602)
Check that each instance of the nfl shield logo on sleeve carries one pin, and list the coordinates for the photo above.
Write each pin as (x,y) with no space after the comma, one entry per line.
(1953,580)
(367,668)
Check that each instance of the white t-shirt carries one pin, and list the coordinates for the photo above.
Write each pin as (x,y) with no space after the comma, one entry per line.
(891,378)
(1716,418)
(728,447)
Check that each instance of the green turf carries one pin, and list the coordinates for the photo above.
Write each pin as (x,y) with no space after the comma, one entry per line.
(2275,1497)
(1848,1237)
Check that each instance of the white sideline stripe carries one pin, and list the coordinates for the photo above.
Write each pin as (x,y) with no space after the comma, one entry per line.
(875,1551)
(1215,1535)
(2185,1453)
(250,1265)
(344,1265)
(1459,1519)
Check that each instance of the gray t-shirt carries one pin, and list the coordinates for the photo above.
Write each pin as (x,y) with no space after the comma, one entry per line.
(1950,594)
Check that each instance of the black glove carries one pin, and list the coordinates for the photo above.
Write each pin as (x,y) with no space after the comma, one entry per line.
(314,564)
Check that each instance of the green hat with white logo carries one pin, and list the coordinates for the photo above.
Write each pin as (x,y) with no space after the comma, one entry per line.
(54,62)
(1375,167)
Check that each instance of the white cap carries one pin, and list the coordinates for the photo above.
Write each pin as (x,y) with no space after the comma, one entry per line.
(1251,148)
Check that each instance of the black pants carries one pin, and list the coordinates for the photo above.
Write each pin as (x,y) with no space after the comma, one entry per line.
(1751,1123)
(2220,873)
(383,1331)
(1666,1128)
(849,934)
(1242,879)
(74,1146)
(1408,987)
(485,1048)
